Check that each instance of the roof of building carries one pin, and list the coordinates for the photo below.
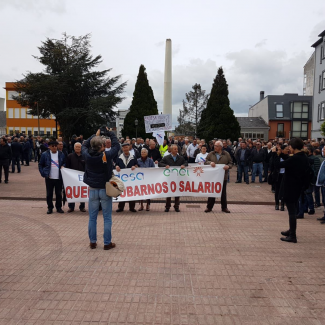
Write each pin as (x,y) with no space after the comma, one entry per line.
(3,119)
(252,122)
(320,40)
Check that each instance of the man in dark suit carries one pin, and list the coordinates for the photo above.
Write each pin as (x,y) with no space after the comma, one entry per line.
(174,159)
(268,155)
(243,159)
(17,151)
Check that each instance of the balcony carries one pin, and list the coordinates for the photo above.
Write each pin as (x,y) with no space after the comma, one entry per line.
(280,134)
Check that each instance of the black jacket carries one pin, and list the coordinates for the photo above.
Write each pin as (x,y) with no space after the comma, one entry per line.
(5,152)
(268,155)
(154,154)
(75,162)
(295,167)
(258,156)
(98,172)
(168,160)
(247,155)
(16,149)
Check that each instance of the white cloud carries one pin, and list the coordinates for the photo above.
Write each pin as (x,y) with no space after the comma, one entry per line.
(57,6)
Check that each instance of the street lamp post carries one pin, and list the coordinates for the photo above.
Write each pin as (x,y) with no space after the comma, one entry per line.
(136,128)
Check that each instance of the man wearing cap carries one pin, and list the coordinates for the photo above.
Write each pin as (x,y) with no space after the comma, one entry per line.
(49,167)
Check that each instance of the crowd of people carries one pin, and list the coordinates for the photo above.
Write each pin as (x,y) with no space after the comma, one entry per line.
(273,162)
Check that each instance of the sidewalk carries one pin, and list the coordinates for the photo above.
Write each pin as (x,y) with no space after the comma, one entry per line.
(168,268)
(29,185)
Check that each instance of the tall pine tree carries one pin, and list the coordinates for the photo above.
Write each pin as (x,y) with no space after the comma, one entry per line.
(218,119)
(143,104)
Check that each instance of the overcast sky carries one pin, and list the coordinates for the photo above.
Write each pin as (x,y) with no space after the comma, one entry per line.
(262,45)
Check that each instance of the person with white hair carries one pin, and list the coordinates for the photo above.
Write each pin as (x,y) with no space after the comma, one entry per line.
(145,162)
(219,156)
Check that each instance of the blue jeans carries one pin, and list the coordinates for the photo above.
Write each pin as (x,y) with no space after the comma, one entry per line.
(257,167)
(97,196)
(242,166)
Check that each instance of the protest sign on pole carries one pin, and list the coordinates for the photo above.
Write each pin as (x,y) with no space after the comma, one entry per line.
(149,183)
(160,122)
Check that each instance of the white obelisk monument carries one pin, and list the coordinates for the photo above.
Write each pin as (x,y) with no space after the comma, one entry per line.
(167,109)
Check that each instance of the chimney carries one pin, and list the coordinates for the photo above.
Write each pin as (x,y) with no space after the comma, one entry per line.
(261,95)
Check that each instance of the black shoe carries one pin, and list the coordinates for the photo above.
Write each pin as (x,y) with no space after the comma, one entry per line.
(299,217)
(247,183)
(6,182)
(177,210)
(282,207)
(59,211)
(119,210)
(321,219)
(322,222)
(18,172)
(49,211)
(237,182)
(265,181)
(133,210)
(317,205)
(311,212)
(285,233)
(252,181)
(166,210)
(273,191)
(277,207)
(0,181)
(289,239)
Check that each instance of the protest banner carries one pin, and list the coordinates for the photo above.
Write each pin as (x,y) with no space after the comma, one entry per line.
(160,122)
(149,183)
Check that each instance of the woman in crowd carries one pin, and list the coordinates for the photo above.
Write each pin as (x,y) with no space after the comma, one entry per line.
(145,162)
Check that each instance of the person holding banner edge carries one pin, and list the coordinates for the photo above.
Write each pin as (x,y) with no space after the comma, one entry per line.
(219,156)
(98,171)
(174,159)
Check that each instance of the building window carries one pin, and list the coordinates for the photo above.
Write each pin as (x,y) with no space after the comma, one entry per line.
(299,110)
(29,115)
(299,129)
(323,80)
(279,110)
(10,113)
(11,94)
(35,132)
(321,111)
(23,112)
(17,112)
(11,131)
(280,131)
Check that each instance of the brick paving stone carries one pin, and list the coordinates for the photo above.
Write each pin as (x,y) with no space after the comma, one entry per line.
(168,268)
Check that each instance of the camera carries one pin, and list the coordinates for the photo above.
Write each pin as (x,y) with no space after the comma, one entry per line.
(104,131)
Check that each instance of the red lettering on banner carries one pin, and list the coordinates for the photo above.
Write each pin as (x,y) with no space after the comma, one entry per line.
(188,187)
(136,191)
(181,186)
(88,190)
(212,187)
(151,189)
(143,190)
(84,192)
(200,188)
(129,191)
(158,188)
(193,188)
(172,187)
(207,188)
(165,187)
(68,192)
(76,191)
(123,194)
(218,187)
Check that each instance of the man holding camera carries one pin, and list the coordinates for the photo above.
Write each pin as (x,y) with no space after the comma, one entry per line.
(98,171)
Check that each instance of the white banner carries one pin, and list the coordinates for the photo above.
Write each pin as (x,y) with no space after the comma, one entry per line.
(149,183)
(160,122)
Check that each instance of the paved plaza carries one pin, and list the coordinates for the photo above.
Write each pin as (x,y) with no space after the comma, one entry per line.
(167,268)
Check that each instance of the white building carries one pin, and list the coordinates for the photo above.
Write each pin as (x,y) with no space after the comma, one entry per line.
(309,70)
(120,121)
(3,118)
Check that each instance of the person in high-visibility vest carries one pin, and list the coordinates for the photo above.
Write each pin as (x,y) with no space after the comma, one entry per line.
(163,148)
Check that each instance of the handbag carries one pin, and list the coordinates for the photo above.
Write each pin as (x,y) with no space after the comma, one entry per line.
(114,187)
